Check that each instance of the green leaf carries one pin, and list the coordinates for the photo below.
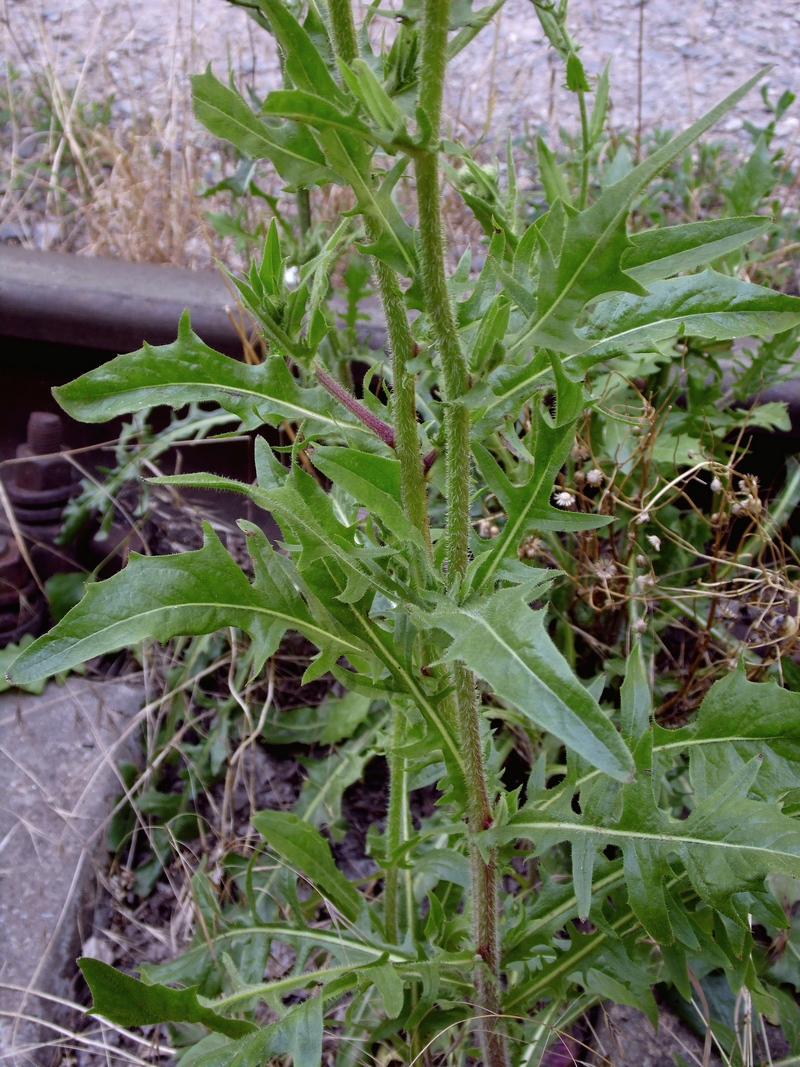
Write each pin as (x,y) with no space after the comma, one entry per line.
(635,699)
(8,655)
(345,151)
(373,481)
(727,845)
(306,850)
(506,643)
(737,722)
(390,986)
(291,148)
(128,1002)
(555,184)
(188,593)
(600,109)
(659,253)
(298,1034)
(576,76)
(379,105)
(707,305)
(187,371)
(594,243)
(312,110)
(527,506)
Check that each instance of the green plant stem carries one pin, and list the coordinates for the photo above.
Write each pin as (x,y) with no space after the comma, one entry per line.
(457,459)
(345,40)
(404,397)
(303,198)
(406,434)
(413,488)
(395,827)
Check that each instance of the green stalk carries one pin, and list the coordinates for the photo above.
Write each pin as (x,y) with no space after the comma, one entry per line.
(407,444)
(395,827)
(455,376)
(303,199)
(344,30)
(413,489)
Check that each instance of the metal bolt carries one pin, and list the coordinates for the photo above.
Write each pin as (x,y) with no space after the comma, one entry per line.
(44,433)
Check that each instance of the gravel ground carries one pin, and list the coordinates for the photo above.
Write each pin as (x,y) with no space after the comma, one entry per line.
(693,53)
(134,197)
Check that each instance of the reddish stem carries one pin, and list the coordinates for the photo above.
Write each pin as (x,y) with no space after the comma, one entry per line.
(362,413)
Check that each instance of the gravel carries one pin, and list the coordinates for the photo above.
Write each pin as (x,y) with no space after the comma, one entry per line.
(693,53)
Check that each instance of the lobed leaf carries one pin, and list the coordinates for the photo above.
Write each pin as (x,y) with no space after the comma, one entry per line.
(588,262)
(128,1002)
(188,371)
(707,305)
(188,593)
(659,253)
(506,643)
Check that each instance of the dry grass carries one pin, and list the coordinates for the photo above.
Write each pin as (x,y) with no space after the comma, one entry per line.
(78,174)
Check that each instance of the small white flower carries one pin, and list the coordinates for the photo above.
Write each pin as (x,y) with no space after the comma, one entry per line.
(655,541)
(640,626)
(641,561)
(716,485)
(642,518)
(605,569)
(291,276)
(736,509)
(564,499)
(494,530)
(484,526)
(595,477)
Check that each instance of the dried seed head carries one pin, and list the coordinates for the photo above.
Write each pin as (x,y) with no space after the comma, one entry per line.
(640,626)
(484,526)
(716,485)
(579,478)
(564,499)
(530,548)
(494,530)
(641,561)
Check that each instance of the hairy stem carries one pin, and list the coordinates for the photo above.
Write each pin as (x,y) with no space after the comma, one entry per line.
(457,459)
(404,396)
(395,826)
(345,41)
(362,413)
(406,443)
